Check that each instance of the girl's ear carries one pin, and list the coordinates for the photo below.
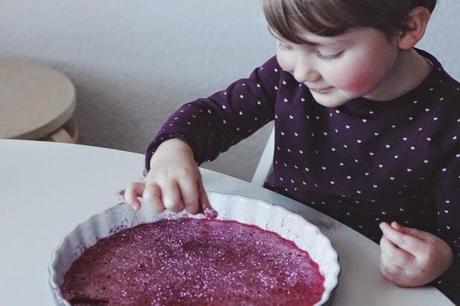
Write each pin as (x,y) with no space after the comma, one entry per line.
(415,27)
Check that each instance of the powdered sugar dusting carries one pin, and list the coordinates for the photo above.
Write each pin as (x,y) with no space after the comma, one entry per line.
(195,261)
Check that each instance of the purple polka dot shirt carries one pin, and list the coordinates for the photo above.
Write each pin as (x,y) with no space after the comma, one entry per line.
(361,163)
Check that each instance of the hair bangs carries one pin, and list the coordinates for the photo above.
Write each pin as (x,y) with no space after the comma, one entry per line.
(289,19)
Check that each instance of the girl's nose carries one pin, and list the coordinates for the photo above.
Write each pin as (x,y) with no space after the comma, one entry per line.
(305,73)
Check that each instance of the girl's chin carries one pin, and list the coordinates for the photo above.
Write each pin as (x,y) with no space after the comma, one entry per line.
(331,103)
(331,99)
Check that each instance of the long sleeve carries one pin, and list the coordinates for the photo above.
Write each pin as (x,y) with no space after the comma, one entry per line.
(212,125)
(447,192)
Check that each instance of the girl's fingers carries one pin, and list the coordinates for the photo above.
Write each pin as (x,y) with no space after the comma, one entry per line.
(385,274)
(171,196)
(204,201)
(152,196)
(190,195)
(411,231)
(171,193)
(391,254)
(408,243)
(131,194)
(390,273)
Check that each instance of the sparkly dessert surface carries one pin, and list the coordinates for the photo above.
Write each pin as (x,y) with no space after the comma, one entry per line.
(190,261)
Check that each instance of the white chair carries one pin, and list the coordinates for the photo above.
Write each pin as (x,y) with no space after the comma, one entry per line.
(265,162)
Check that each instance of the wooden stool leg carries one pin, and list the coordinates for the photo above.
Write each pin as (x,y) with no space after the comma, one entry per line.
(61,135)
(72,129)
(67,134)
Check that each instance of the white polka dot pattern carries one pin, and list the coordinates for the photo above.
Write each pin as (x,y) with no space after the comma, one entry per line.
(362,163)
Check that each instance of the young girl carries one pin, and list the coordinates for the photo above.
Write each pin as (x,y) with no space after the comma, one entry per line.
(367,130)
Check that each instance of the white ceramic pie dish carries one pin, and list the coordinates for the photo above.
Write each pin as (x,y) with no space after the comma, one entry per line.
(234,207)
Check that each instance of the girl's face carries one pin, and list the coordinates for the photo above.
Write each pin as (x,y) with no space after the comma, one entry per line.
(359,63)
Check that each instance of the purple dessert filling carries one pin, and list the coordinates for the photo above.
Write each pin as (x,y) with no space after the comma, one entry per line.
(191,261)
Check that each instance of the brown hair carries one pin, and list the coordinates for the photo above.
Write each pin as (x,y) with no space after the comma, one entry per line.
(289,18)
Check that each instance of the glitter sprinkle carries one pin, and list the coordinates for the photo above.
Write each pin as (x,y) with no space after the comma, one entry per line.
(188,261)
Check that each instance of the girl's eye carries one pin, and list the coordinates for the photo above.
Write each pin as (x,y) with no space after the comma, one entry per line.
(329,56)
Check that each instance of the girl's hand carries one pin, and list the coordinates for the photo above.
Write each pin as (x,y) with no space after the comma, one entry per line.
(410,257)
(173,182)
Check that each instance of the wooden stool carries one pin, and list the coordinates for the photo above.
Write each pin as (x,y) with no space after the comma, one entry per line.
(36,102)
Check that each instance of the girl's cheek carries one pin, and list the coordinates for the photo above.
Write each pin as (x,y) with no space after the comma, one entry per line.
(354,80)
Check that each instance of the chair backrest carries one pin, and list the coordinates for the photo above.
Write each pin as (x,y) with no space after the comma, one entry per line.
(265,162)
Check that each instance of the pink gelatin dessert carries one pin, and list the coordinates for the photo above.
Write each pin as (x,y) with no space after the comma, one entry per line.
(190,261)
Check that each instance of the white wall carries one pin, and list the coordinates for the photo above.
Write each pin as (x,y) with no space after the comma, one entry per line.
(134,61)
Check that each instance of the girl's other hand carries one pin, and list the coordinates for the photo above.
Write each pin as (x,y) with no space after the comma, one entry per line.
(411,257)
(173,182)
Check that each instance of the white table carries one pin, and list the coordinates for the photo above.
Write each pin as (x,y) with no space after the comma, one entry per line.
(48,188)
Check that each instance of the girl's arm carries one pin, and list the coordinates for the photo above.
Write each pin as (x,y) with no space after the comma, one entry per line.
(199,131)
(212,125)
(411,257)
(447,191)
